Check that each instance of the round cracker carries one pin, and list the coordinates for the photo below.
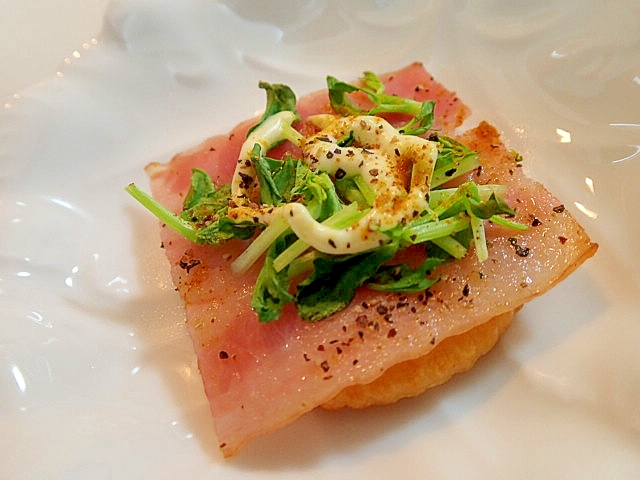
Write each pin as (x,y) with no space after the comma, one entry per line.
(411,378)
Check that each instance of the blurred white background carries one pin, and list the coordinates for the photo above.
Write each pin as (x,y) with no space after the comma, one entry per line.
(37,35)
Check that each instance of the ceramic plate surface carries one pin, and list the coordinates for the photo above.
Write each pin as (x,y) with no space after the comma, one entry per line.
(98,379)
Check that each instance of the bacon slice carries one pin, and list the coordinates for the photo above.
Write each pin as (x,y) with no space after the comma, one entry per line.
(260,377)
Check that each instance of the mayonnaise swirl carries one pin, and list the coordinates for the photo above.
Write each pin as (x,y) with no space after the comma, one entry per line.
(397,167)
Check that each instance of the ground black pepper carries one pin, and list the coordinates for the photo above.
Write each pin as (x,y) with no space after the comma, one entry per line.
(188,264)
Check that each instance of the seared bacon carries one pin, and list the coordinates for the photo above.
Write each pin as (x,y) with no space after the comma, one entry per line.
(260,377)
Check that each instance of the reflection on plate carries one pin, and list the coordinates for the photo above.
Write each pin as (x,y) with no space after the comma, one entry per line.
(98,378)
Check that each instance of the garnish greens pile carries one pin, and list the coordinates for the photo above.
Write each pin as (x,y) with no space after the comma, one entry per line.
(321,284)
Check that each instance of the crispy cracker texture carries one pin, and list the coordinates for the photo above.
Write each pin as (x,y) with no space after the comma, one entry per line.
(453,355)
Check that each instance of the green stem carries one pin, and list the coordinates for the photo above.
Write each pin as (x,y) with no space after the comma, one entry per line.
(452,246)
(419,233)
(479,238)
(441,195)
(503,222)
(164,215)
(260,245)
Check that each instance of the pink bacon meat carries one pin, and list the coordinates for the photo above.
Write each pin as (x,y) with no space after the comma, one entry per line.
(260,377)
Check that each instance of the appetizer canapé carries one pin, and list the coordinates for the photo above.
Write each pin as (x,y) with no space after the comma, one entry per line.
(350,248)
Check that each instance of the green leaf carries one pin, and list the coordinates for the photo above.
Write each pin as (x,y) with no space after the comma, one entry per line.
(205,209)
(373,88)
(403,279)
(338,97)
(203,219)
(494,206)
(271,292)
(269,192)
(202,188)
(422,122)
(225,229)
(356,189)
(285,178)
(321,197)
(302,176)
(347,140)
(373,82)
(334,281)
(279,98)
(454,160)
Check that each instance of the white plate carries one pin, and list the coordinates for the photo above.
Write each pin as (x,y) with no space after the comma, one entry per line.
(97,376)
